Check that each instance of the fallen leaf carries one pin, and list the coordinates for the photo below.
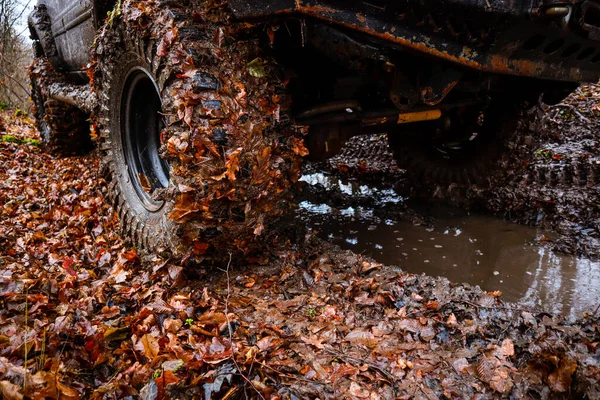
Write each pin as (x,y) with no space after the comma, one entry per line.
(150,345)
(560,380)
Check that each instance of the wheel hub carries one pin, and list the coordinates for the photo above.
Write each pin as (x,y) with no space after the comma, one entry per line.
(141,124)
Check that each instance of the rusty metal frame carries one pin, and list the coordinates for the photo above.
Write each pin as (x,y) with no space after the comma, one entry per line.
(505,47)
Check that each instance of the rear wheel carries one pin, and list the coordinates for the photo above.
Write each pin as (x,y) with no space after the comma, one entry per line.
(196,143)
(468,146)
(64,129)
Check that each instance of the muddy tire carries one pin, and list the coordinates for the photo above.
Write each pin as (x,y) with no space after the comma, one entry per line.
(64,129)
(206,169)
(501,148)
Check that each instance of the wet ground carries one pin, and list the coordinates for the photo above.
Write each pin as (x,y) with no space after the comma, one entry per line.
(526,261)
(83,317)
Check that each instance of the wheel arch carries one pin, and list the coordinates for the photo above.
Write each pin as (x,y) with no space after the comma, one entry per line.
(40,30)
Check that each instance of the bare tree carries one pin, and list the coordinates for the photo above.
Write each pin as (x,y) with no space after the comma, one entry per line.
(15,53)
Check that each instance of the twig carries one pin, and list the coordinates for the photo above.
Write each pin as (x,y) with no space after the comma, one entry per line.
(286,375)
(231,393)
(574,110)
(383,372)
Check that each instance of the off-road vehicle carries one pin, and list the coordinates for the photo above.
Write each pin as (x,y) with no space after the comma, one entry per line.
(201,110)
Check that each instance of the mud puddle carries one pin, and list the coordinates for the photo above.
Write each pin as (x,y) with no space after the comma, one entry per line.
(476,249)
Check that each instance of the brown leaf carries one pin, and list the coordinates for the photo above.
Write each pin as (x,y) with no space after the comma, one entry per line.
(268,343)
(460,365)
(166,378)
(166,42)
(432,305)
(298,147)
(560,379)
(495,371)
(508,348)
(67,392)
(231,166)
(145,182)
(185,207)
(211,318)
(10,391)
(362,336)
(313,340)
(172,325)
(451,321)
(151,347)
(200,248)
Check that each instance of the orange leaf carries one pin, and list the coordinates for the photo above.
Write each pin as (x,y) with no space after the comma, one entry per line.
(298,147)
(10,391)
(67,392)
(432,305)
(185,206)
(165,379)
(560,379)
(200,248)
(231,166)
(166,42)
(151,347)
(211,318)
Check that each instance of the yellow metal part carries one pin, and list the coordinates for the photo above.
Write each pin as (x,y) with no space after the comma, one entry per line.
(429,115)
(558,11)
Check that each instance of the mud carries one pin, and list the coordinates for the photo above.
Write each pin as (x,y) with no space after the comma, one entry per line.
(535,238)
(558,191)
(444,241)
(228,139)
(84,318)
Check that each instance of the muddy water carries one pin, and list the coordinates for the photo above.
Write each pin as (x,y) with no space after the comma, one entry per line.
(480,250)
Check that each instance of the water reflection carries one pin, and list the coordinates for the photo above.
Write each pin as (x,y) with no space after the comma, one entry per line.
(480,250)
(570,284)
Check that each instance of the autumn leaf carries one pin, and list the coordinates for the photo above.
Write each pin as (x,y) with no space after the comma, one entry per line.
(362,336)
(144,182)
(256,68)
(67,263)
(172,365)
(432,305)
(10,391)
(211,318)
(67,392)
(298,147)
(166,41)
(315,341)
(231,166)
(150,346)
(185,206)
(560,380)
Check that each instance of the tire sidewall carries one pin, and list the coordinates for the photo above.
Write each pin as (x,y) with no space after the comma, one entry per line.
(151,220)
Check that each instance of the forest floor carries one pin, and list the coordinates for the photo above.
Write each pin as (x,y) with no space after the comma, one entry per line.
(83,317)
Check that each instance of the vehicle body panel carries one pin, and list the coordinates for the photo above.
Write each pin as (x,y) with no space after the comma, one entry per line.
(73,28)
(488,35)
(515,37)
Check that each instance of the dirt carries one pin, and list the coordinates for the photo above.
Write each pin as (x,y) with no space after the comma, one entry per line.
(83,317)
